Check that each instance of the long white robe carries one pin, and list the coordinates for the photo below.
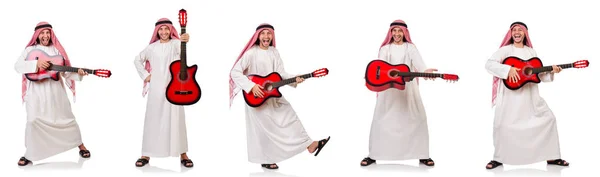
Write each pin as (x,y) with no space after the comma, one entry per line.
(51,126)
(164,127)
(524,126)
(399,129)
(274,132)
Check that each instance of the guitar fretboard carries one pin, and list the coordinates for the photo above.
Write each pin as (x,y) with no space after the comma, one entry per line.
(290,80)
(549,68)
(416,74)
(69,69)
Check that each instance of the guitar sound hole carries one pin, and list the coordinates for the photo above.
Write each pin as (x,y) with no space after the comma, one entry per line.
(394,73)
(527,71)
(183,76)
(268,87)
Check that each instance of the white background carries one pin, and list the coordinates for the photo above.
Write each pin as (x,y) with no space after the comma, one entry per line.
(455,37)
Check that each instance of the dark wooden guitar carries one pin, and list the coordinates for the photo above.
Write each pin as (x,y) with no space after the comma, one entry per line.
(183,89)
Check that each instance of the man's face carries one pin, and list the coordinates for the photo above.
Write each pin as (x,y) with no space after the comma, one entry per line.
(44,37)
(164,32)
(265,38)
(518,34)
(397,34)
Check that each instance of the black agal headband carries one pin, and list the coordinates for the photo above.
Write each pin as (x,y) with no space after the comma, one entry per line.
(43,26)
(264,26)
(163,22)
(518,23)
(398,24)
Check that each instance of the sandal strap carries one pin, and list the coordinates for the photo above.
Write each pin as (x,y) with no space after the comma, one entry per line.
(368,159)
(494,163)
(142,160)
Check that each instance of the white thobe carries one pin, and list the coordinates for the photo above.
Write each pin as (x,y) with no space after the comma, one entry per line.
(164,127)
(51,126)
(274,132)
(399,129)
(524,126)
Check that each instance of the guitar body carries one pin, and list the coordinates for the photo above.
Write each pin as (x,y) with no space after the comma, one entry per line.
(37,54)
(183,92)
(378,77)
(525,73)
(269,92)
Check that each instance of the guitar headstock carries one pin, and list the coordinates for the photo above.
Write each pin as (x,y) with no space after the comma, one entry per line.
(102,73)
(182,17)
(320,72)
(450,77)
(581,64)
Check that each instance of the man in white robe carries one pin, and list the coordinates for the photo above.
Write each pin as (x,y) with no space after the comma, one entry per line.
(165,133)
(524,126)
(399,129)
(274,131)
(51,126)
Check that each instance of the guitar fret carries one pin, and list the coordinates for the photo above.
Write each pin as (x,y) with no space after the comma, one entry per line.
(549,68)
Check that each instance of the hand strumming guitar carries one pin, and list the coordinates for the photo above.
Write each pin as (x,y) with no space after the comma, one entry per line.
(513,75)
(430,70)
(257,91)
(42,65)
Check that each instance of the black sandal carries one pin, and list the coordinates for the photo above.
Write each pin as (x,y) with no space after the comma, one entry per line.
(427,161)
(24,160)
(493,164)
(268,166)
(367,161)
(185,163)
(142,161)
(559,162)
(85,153)
(322,144)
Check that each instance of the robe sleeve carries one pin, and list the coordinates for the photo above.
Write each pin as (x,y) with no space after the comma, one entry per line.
(494,67)
(383,54)
(281,70)
(25,67)
(545,76)
(416,60)
(72,76)
(237,73)
(177,44)
(140,61)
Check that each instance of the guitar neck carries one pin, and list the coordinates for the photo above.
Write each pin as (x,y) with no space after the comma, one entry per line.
(549,68)
(290,80)
(182,55)
(418,74)
(61,68)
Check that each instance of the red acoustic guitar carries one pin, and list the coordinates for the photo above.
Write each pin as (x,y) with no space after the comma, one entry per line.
(271,84)
(531,68)
(183,89)
(381,75)
(57,65)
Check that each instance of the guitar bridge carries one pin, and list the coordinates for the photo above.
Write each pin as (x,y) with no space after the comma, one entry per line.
(378,73)
(183,92)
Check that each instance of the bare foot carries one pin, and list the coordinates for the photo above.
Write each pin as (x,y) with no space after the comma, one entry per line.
(313,146)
